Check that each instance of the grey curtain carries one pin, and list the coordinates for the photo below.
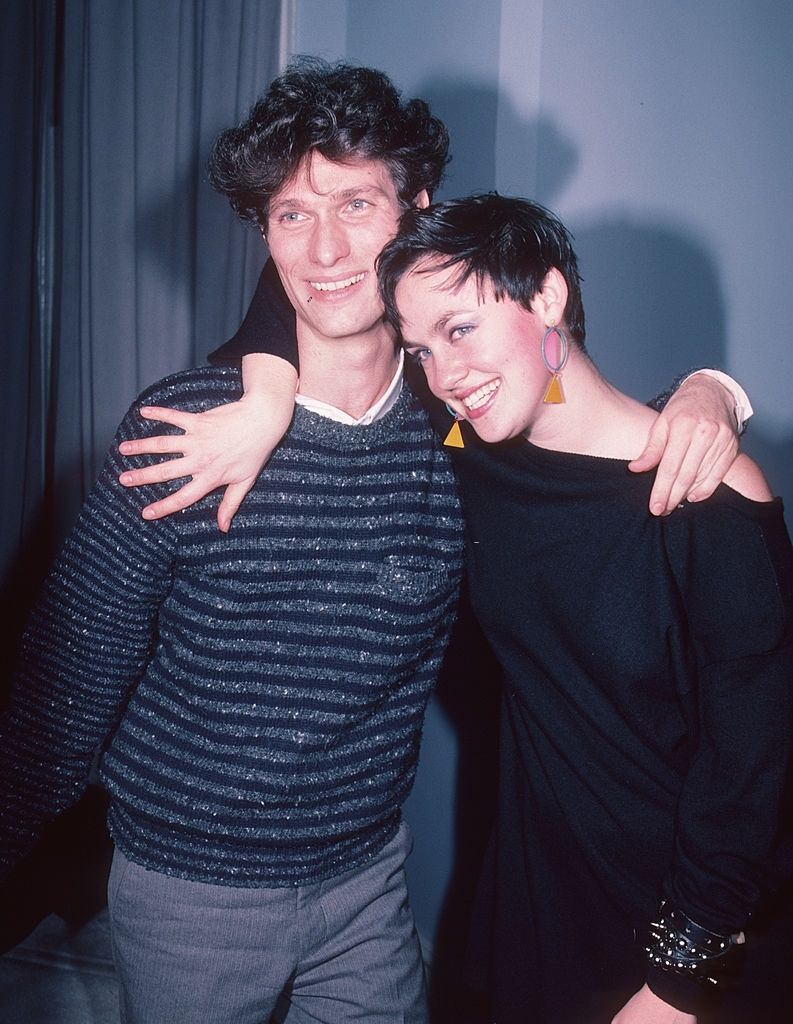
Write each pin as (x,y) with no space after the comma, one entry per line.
(120,264)
(27,74)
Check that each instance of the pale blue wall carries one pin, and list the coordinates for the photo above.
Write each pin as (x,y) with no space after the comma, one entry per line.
(660,131)
(674,119)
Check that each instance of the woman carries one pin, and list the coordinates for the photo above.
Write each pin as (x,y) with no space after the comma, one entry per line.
(648,699)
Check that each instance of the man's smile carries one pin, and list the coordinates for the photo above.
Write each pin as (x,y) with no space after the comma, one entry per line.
(339,285)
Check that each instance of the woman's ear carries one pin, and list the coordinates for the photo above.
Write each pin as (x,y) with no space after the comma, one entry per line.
(422,200)
(551,300)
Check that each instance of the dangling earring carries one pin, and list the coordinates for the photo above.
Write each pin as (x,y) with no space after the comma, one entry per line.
(554,395)
(454,439)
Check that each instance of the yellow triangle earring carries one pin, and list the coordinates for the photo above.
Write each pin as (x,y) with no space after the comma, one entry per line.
(454,439)
(554,393)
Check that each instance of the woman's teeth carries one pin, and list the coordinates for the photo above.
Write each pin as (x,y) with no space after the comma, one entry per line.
(481,395)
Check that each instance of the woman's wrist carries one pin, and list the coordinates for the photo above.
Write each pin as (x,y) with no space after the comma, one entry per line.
(264,375)
(687,960)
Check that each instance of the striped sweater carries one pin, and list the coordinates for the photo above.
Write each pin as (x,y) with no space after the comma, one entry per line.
(258,696)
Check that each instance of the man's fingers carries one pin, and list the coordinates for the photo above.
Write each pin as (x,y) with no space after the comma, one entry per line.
(648,459)
(660,451)
(691,453)
(679,484)
(660,495)
(706,484)
(702,456)
(173,469)
(653,450)
(232,499)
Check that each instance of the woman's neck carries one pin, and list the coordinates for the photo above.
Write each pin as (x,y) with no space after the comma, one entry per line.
(596,418)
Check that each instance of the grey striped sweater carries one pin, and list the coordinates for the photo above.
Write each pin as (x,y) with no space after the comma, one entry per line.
(259,696)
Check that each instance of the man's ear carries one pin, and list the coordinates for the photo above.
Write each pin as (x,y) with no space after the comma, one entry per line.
(551,299)
(422,200)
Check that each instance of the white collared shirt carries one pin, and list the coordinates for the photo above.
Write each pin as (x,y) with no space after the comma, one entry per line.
(383,404)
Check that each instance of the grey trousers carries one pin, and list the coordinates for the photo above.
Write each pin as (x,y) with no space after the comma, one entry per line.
(333,952)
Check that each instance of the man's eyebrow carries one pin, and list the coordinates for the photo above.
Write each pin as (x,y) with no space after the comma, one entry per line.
(280,204)
(348,193)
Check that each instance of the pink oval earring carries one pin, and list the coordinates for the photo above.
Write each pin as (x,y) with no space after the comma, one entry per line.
(554,394)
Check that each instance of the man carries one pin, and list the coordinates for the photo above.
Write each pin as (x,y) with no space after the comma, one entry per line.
(258,698)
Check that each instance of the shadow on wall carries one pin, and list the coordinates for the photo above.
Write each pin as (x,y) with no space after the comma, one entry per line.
(653,302)
(478,118)
(469,110)
(651,291)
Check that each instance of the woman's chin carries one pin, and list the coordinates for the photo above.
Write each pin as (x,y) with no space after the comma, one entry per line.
(491,433)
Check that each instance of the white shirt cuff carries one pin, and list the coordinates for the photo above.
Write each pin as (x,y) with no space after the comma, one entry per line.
(743,407)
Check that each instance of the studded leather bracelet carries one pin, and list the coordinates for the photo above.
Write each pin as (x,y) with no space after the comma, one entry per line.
(676,943)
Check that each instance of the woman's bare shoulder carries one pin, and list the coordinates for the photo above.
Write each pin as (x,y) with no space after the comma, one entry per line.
(746,477)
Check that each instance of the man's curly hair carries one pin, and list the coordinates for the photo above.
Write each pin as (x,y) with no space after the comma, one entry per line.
(342,112)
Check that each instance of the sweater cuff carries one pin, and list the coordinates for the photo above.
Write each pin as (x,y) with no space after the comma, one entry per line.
(685,994)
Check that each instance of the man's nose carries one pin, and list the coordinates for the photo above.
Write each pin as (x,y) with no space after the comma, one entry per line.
(329,243)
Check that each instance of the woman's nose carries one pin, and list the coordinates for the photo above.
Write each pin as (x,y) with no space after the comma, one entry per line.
(450,370)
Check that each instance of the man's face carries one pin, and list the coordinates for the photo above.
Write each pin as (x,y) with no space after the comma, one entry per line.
(326,226)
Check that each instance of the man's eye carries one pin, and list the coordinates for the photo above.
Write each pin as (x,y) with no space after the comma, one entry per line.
(358,204)
(461,331)
(292,217)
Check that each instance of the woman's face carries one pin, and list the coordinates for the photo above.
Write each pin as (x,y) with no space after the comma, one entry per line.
(480,355)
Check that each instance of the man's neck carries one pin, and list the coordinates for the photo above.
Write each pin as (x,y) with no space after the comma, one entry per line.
(348,373)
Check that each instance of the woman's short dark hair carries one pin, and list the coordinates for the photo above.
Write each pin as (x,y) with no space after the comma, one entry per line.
(508,243)
(339,110)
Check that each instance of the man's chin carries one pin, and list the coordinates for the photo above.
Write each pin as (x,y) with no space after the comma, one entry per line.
(339,329)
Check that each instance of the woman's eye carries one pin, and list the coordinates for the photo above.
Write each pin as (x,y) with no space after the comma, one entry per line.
(461,331)
(420,355)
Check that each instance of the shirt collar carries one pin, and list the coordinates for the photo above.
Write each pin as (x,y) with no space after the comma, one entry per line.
(383,404)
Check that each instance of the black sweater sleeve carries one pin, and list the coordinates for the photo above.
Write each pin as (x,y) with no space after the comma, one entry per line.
(733,564)
(269,325)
